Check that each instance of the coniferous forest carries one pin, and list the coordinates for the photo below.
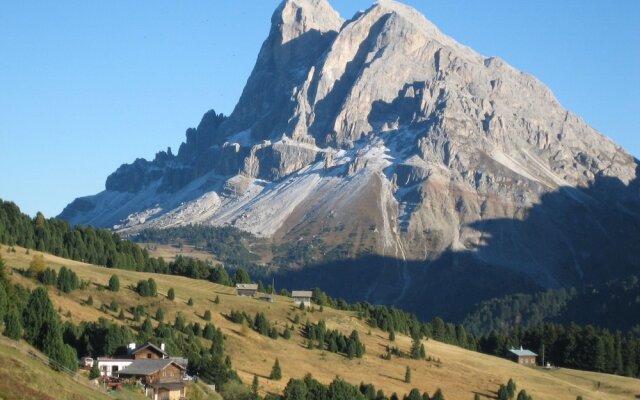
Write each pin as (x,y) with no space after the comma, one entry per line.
(582,347)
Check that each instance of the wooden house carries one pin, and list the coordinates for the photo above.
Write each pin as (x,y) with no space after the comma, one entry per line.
(246,289)
(522,356)
(162,377)
(302,297)
(109,366)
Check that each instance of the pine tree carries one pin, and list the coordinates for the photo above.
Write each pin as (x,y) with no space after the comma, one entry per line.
(160,315)
(171,294)
(95,372)
(39,318)
(511,388)
(217,300)
(414,394)
(438,395)
(255,385)
(190,301)
(503,394)
(286,333)
(12,325)
(147,326)
(121,315)
(89,300)
(415,349)
(209,332)
(114,283)
(524,396)
(153,288)
(392,335)
(207,315)
(4,301)
(407,375)
(276,372)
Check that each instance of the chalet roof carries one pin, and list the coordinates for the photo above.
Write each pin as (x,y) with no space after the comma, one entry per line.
(247,286)
(167,385)
(146,367)
(522,352)
(301,293)
(180,360)
(150,346)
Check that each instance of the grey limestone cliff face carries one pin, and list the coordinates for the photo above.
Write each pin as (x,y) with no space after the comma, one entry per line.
(413,143)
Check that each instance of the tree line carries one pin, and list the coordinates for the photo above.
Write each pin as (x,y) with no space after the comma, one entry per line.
(318,336)
(102,247)
(573,346)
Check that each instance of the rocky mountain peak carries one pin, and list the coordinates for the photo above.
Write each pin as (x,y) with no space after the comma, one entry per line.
(386,136)
(294,18)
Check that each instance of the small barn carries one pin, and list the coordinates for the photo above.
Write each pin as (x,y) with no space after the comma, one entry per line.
(302,297)
(246,289)
(522,356)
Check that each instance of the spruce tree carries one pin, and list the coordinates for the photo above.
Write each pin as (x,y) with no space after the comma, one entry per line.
(414,394)
(12,324)
(95,372)
(217,300)
(524,396)
(171,294)
(276,372)
(511,388)
(503,394)
(407,375)
(190,301)
(114,283)
(438,395)
(160,315)
(255,385)
(39,318)
(209,332)
(4,301)
(392,335)
(207,315)
(153,288)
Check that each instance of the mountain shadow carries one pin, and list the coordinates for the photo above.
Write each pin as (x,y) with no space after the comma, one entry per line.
(573,237)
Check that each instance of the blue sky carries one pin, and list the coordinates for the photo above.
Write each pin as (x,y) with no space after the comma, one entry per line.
(88,85)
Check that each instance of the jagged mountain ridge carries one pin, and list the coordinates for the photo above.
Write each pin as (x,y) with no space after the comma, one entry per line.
(383,132)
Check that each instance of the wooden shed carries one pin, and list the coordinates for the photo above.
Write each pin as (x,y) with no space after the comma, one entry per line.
(522,356)
(302,297)
(246,289)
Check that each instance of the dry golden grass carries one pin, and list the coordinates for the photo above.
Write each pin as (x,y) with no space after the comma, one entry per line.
(460,374)
(170,252)
(23,377)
